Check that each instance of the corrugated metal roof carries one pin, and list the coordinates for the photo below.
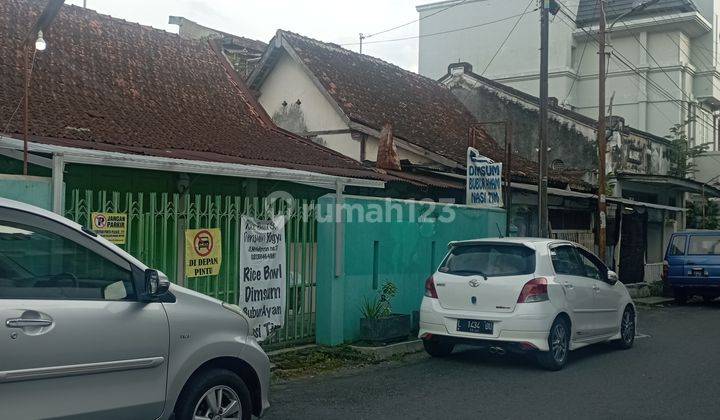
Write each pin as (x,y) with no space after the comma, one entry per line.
(588,9)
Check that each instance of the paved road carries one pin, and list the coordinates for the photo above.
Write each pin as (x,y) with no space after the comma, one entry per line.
(673,374)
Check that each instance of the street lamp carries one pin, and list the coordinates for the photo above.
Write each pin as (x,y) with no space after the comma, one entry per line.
(43,21)
(40,43)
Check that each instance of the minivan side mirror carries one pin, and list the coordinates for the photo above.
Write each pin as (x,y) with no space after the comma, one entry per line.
(156,283)
(612,277)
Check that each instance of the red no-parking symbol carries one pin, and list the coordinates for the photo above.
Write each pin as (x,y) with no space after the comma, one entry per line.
(100,220)
(203,243)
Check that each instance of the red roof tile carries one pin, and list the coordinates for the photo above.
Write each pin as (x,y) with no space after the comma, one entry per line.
(104,83)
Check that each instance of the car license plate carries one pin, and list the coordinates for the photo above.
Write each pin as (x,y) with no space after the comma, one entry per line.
(475,326)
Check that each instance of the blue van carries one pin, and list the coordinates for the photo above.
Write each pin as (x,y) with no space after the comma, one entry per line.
(692,264)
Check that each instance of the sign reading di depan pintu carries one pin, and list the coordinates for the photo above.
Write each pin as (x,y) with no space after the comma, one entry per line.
(111,226)
(203,252)
(484,181)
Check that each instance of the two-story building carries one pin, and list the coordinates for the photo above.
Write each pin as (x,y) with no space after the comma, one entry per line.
(663,65)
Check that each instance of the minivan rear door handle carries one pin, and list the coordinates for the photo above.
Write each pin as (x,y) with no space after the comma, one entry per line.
(25,322)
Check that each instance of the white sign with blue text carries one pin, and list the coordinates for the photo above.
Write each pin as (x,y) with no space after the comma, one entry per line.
(484,181)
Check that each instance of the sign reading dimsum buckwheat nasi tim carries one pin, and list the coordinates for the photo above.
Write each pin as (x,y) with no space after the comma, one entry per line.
(262,273)
(484,181)
(203,252)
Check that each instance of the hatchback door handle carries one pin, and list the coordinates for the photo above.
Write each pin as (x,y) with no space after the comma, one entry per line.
(27,322)
(596,287)
(569,285)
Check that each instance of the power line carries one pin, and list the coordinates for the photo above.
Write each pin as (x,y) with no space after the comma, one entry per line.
(502,44)
(443,32)
(414,21)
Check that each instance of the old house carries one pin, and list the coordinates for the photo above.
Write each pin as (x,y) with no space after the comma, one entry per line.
(128,119)
(343,100)
(646,204)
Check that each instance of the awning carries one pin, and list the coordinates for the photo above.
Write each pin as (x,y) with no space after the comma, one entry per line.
(159,163)
(627,202)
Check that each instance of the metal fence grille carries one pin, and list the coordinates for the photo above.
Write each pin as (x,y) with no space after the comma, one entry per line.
(155,235)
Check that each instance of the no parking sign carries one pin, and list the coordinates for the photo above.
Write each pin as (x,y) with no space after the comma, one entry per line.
(111,226)
(203,252)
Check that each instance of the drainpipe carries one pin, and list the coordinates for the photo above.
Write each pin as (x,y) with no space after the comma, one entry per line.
(339,229)
(58,185)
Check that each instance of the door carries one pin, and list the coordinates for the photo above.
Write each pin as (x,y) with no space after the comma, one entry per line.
(74,339)
(702,264)
(579,292)
(632,247)
(675,258)
(606,303)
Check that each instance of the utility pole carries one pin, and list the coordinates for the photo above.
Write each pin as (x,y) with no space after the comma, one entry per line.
(601,136)
(543,230)
(361,40)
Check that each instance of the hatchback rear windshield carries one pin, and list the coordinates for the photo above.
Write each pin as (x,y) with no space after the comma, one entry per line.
(489,260)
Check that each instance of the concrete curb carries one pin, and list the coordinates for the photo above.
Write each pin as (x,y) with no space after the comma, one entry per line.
(653,301)
(290,349)
(387,352)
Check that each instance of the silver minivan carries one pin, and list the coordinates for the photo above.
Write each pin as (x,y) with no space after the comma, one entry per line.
(89,332)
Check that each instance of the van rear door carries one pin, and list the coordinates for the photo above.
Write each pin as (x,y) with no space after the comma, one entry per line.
(702,263)
(675,257)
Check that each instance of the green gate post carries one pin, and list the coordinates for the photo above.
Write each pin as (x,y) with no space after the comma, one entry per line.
(330,289)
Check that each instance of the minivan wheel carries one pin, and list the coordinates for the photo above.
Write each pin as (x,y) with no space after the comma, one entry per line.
(438,348)
(680,295)
(214,394)
(559,343)
(627,329)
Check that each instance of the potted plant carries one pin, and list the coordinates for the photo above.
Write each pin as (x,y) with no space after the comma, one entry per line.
(379,324)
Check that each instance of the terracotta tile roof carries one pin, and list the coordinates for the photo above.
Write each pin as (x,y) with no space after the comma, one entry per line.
(371,91)
(423,111)
(107,84)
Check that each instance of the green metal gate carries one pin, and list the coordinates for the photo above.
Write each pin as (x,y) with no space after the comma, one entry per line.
(155,235)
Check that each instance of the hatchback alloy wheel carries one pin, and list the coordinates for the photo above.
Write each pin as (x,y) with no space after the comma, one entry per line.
(219,402)
(627,329)
(559,343)
(559,346)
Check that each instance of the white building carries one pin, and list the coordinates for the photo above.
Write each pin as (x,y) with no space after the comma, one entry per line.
(663,70)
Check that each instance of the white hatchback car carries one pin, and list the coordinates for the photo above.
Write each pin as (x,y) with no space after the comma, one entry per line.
(524,295)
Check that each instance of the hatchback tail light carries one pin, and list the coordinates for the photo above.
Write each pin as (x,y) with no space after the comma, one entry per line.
(534,291)
(430,288)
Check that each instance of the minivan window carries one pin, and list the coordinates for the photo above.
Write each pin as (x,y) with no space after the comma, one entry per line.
(492,260)
(704,245)
(38,264)
(677,246)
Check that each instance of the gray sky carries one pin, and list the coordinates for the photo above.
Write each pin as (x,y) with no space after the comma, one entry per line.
(338,21)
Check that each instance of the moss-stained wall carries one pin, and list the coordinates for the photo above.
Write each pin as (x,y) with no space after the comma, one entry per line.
(566,142)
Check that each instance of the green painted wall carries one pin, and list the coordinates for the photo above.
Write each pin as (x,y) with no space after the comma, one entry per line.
(31,189)
(409,248)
